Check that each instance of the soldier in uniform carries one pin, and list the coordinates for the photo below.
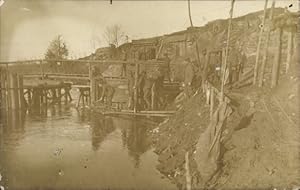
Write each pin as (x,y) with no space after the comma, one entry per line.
(124,58)
(140,92)
(107,93)
(168,72)
(149,81)
(131,90)
(189,74)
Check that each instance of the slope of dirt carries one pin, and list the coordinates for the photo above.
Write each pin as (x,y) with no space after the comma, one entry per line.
(178,135)
(259,145)
(264,152)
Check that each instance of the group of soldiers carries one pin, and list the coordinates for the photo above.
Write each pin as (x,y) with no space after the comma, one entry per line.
(147,89)
(194,69)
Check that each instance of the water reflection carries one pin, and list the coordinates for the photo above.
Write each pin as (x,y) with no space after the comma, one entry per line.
(101,127)
(97,152)
(134,135)
(137,141)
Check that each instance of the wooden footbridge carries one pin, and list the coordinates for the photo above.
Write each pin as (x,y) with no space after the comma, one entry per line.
(39,85)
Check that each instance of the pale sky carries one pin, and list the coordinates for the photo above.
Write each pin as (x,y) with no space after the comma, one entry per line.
(28,26)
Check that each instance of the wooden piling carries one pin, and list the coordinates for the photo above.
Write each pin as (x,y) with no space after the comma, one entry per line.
(136,78)
(13,88)
(21,92)
(276,63)
(153,95)
(204,72)
(92,85)
(212,102)
(3,88)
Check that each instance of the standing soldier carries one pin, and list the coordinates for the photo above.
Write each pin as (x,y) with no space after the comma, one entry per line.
(241,62)
(149,81)
(168,61)
(107,93)
(233,61)
(124,58)
(140,86)
(131,90)
(189,75)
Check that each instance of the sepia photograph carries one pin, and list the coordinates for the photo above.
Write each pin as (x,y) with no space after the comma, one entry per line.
(149,95)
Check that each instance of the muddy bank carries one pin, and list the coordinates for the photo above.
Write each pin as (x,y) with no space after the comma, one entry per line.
(178,135)
(259,144)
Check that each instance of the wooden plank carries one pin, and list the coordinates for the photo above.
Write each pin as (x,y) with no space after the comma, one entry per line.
(276,64)
(152,112)
(265,56)
(130,62)
(212,102)
(137,114)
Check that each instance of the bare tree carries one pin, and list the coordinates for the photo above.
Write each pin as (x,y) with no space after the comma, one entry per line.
(95,40)
(114,35)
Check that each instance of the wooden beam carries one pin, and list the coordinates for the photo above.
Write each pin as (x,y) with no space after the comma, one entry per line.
(265,56)
(136,114)
(130,62)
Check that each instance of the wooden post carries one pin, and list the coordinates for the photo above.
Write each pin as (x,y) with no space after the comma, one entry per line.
(136,78)
(212,102)
(8,89)
(208,87)
(187,172)
(14,91)
(204,72)
(66,93)
(276,64)
(92,85)
(259,43)
(265,56)
(153,97)
(59,95)
(21,92)
(3,89)
(29,97)
(224,66)
(42,70)
(289,51)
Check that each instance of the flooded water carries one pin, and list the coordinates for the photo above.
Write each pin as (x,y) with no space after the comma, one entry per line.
(64,148)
